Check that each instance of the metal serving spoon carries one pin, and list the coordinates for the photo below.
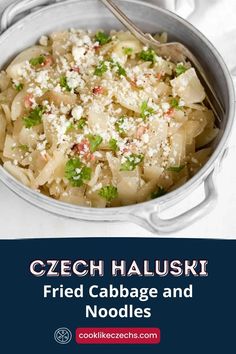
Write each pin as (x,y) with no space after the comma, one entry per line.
(175,51)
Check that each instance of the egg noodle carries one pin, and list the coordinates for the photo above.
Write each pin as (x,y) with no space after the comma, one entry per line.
(100,120)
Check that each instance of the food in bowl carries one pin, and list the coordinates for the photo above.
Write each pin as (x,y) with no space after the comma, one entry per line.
(100,120)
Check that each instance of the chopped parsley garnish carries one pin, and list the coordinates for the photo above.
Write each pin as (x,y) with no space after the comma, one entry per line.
(19,87)
(77,173)
(22,147)
(120,70)
(112,62)
(175,103)
(146,111)
(94,141)
(118,126)
(101,69)
(34,117)
(109,193)
(70,128)
(113,145)
(180,69)
(81,123)
(131,162)
(148,55)
(158,193)
(37,61)
(64,83)
(176,168)
(128,51)
(102,38)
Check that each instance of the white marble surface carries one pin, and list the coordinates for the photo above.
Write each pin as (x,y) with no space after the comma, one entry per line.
(217,20)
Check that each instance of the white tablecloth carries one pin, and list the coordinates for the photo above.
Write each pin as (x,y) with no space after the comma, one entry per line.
(217,20)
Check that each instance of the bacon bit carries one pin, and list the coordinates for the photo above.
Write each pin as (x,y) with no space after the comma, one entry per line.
(76,69)
(159,76)
(140,131)
(82,147)
(170,112)
(133,83)
(96,47)
(75,148)
(98,90)
(125,149)
(28,100)
(48,61)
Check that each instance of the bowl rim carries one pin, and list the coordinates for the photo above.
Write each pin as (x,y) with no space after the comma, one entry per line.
(170,197)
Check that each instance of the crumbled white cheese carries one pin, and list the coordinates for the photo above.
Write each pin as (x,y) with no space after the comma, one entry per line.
(43,41)
(78,53)
(77,112)
(74,80)
(165,106)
